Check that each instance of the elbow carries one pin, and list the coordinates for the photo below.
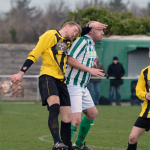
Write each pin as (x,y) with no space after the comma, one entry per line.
(68,62)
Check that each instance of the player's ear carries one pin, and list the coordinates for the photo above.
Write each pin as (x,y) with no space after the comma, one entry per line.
(67,26)
(91,31)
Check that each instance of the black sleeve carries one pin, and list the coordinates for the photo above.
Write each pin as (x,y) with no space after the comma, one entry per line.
(26,65)
(85,30)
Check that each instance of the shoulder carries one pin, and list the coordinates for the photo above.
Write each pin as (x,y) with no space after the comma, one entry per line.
(80,40)
(111,65)
(145,69)
(49,33)
(120,64)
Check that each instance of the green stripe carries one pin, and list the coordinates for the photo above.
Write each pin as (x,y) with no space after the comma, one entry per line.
(81,50)
(88,78)
(69,75)
(76,46)
(85,73)
(83,79)
(75,82)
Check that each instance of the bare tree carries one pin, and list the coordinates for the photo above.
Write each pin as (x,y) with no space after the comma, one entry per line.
(18,22)
(118,5)
(138,11)
(93,3)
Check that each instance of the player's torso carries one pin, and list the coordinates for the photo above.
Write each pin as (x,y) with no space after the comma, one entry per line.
(86,57)
(54,58)
(146,105)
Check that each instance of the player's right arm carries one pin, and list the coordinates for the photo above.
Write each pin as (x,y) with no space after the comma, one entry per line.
(74,63)
(45,41)
(77,47)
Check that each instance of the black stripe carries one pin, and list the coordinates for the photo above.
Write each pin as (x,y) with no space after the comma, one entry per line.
(32,56)
(55,51)
(145,77)
(145,73)
(58,38)
(62,61)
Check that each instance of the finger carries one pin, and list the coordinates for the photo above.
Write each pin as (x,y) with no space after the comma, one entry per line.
(100,70)
(100,27)
(101,74)
(17,81)
(104,24)
(11,77)
(98,75)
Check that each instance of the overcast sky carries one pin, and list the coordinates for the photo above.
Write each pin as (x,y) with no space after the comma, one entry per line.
(5,5)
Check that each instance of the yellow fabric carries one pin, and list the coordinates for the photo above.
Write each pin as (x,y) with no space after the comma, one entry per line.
(47,42)
(141,92)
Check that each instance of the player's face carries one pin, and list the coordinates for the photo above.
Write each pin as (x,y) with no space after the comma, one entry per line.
(71,32)
(97,35)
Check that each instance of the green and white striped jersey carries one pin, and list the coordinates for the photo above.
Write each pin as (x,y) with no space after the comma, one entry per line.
(82,49)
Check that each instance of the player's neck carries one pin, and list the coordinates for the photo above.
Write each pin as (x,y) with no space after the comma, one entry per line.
(62,33)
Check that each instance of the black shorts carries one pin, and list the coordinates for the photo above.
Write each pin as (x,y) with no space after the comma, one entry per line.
(49,86)
(143,123)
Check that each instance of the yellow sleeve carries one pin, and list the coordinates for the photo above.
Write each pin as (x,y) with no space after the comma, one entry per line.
(141,87)
(45,41)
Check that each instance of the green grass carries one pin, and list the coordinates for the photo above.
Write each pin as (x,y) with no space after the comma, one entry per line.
(25,127)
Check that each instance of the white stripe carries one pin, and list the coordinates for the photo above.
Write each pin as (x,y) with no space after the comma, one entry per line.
(82,58)
(72,46)
(78,48)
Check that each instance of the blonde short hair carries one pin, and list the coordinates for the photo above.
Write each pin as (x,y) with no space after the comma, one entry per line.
(72,23)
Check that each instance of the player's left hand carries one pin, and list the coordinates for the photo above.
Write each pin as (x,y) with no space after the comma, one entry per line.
(97,25)
(96,72)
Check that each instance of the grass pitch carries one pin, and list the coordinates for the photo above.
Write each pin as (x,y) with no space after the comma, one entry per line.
(25,127)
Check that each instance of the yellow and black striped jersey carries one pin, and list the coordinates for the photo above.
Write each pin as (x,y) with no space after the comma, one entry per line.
(53,49)
(142,88)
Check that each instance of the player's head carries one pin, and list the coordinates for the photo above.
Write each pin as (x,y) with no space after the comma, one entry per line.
(70,30)
(96,34)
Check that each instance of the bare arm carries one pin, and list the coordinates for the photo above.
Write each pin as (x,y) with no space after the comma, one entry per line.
(73,62)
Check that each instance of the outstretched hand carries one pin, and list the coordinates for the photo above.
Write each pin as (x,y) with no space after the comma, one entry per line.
(96,72)
(97,25)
